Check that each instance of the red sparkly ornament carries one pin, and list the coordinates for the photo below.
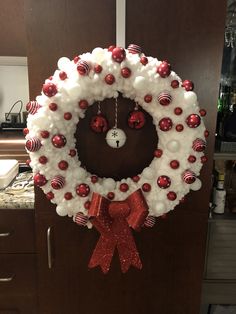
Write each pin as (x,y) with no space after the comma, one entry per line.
(94,179)
(164,98)
(63,75)
(83,68)
(32,107)
(178,111)
(28,161)
(33,144)
(118,54)
(63,165)
(164,69)
(179,127)
(50,195)
(52,106)
(144,60)
(189,177)
(44,134)
(72,152)
(68,196)
(83,190)
(146,187)
(58,141)
(43,160)
(136,119)
(97,68)
(87,204)
(67,116)
(134,49)
(163,182)
(193,120)
(204,159)
(149,221)
(124,187)
(174,84)
(202,112)
(174,164)
(136,178)
(188,85)
(39,179)
(76,59)
(58,182)
(109,79)
(125,72)
(171,196)
(83,104)
(111,48)
(192,158)
(25,131)
(158,153)
(81,219)
(49,89)
(206,133)
(148,98)
(199,145)
(99,124)
(165,124)
(111,195)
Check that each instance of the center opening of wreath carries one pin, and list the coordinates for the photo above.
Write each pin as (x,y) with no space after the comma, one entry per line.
(99,158)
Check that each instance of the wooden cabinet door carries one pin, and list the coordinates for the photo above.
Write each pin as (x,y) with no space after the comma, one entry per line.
(190,35)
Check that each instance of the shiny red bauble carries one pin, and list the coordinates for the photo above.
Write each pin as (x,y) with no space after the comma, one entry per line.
(192,159)
(179,127)
(50,195)
(144,60)
(109,79)
(67,116)
(111,48)
(83,67)
(125,72)
(44,134)
(188,85)
(87,204)
(124,187)
(146,187)
(25,131)
(68,196)
(111,195)
(81,219)
(94,179)
(99,124)
(174,84)
(72,152)
(28,161)
(49,89)
(158,153)
(83,190)
(63,75)
(136,119)
(171,196)
(97,68)
(52,106)
(174,164)
(165,124)
(32,107)
(148,98)
(118,54)
(58,182)
(206,133)
(193,120)
(58,141)
(40,179)
(178,111)
(136,178)
(63,165)
(202,112)
(164,69)
(83,104)
(43,160)
(163,182)
(204,159)
(76,59)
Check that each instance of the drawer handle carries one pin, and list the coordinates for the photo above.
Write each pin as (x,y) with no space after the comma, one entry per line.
(49,246)
(7,279)
(5,234)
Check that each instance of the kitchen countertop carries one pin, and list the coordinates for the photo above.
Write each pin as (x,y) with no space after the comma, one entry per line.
(19,194)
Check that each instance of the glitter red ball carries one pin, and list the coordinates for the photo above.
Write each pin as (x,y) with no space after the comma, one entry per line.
(118,54)
(99,124)
(178,111)
(94,179)
(148,98)
(63,165)
(144,60)
(83,190)
(192,158)
(202,112)
(111,47)
(136,178)
(50,195)
(171,196)
(165,124)
(68,196)
(97,68)
(111,195)
(193,120)
(174,84)
(72,152)
(58,141)
(163,182)
(63,75)
(136,119)
(179,127)
(174,164)
(39,179)
(188,85)
(43,160)
(124,187)
(109,79)
(44,134)
(52,106)
(87,204)
(158,153)
(83,104)
(164,69)
(146,187)
(125,72)
(67,116)
(25,131)
(49,89)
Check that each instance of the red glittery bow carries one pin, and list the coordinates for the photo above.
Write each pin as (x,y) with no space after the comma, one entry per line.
(113,220)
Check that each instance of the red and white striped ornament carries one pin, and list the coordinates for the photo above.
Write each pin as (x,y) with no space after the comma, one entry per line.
(83,67)
(132,48)
(33,144)
(58,182)
(164,98)
(81,219)
(189,177)
(199,145)
(32,106)
(149,221)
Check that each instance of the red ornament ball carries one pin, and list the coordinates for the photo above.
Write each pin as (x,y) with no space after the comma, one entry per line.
(81,219)
(72,152)
(189,177)
(202,112)
(165,124)
(118,54)
(188,85)
(33,144)
(44,134)
(144,60)
(111,48)
(63,75)
(164,69)
(99,124)
(39,179)
(49,89)
(124,187)
(32,107)
(136,119)
(109,79)
(148,98)
(178,111)
(174,164)
(164,98)
(149,221)
(52,106)
(76,59)
(174,84)
(83,190)
(146,187)
(163,182)
(125,72)
(50,195)
(58,182)
(134,49)
(111,195)
(192,159)
(179,127)
(68,196)
(63,165)
(87,204)
(97,68)
(158,153)
(43,160)
(193,120)
(58,141)
(83,104)
(136,178)
(206,133)
(67,116)
(199,145)
(204,159)
(83,68)
(25,131)
(171,196)
(28,161)
(94,179)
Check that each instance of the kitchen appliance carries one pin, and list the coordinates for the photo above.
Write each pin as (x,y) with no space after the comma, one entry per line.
(8,170)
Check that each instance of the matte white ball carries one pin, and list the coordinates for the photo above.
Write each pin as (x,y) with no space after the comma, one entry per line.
(64,63)
(173,146)
(62,211)
(98,54)
(139,82)
(159,208)
(116,138)
(190,98)
(73,91)
(109,184)
(148,173)
(195,186)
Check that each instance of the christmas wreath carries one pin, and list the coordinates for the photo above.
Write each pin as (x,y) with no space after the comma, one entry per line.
(177,161)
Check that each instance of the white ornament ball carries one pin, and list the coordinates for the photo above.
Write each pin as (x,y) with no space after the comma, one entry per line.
(139,82)
(173,146)
(73,91)
(195,186)
(190,98)
(116,138)
(109,184)
(61,211)
(159,208)
(98,54)
(63,64)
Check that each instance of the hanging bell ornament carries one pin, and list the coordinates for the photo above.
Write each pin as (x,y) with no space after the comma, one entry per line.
(116,138)
(99,123)
(136,119)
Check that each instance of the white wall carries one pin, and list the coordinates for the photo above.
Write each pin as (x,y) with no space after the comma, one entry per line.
(13,86)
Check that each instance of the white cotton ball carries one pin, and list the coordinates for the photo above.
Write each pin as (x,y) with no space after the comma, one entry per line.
(62,211)
(80,173)
(109,184)
(63,64)
(173,146)
(148,173)
(159,208)
(139,82)
(190,98)
(73,91)
(99,54)
(195,186)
